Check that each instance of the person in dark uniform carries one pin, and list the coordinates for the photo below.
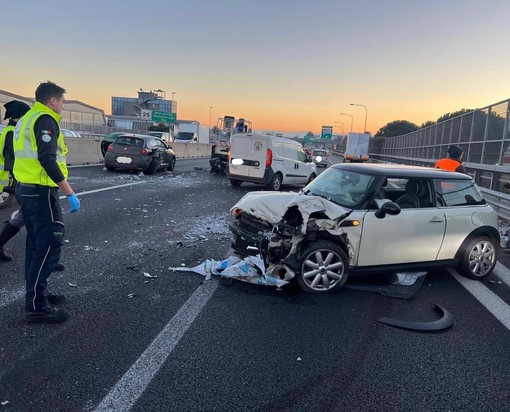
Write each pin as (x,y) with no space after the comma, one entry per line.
(40,169)
(14,110)
(453,162)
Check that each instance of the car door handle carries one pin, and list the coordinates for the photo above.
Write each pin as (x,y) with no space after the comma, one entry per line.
(436,219)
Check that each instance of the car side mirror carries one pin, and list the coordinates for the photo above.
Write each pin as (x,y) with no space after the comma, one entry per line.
(389,208)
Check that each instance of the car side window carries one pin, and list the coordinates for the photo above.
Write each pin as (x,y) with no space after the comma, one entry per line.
(450,192)
(407,192)
(301,155)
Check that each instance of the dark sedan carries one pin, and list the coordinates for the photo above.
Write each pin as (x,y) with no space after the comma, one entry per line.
(139,152)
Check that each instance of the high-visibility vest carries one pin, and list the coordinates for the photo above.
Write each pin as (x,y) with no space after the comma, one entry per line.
(4,174)
(27,168)
(447,164)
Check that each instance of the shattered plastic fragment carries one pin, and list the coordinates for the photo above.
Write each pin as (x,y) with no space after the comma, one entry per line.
(447,321)
(251,269)
(131,295)
(147,275)
(4,403)
(73,285)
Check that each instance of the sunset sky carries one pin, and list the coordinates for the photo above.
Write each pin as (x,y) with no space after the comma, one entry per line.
(286,65)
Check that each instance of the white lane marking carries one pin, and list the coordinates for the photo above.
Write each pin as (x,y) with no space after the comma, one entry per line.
(502,272)
(104,189)
(131,386)
(486,297)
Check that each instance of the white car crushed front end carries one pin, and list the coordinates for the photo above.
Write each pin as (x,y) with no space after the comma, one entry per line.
(275,224)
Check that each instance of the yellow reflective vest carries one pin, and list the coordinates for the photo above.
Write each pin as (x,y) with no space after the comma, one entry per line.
(4,174)
(27,168)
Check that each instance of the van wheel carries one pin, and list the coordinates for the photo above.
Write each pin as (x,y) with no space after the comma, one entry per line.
(276,182)
(323,267)
(235,183)
(310,179)
(478,258)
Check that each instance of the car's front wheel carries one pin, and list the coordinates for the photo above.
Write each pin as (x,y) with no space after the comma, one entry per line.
(310,179)
(171,166)
(323,267)
(478,258)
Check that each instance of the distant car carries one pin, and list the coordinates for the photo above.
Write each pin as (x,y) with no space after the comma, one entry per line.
(70,133)
(369,218)
(139,152)
(320,157)
(108,139)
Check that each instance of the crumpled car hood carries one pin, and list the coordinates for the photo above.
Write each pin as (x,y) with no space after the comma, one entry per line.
(271,206)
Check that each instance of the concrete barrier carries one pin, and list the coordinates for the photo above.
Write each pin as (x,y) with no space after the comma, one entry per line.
(84,151)
(194,150)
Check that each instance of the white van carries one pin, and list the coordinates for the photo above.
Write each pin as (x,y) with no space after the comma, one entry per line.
(268,160)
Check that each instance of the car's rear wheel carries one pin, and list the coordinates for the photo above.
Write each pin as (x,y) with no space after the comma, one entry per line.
(276,182)
(110,168)
(235,183)
(171,166)
(323,267)
(152,167)
(478,258)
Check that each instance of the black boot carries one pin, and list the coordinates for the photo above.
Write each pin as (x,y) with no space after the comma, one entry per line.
(6,234)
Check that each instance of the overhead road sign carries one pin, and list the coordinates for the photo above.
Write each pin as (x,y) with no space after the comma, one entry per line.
(163,117)
(327,132)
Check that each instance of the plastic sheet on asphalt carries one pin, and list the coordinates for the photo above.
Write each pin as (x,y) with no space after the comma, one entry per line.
(250,269)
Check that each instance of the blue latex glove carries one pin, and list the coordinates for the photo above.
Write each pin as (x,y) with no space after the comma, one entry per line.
(74,202)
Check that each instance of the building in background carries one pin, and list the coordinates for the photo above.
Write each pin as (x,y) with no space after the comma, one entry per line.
(76,115)
(127,112)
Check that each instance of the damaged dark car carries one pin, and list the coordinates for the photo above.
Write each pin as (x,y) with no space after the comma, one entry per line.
(369,218)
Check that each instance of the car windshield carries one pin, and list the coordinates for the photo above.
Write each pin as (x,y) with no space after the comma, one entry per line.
(184,136)
(319,152)
(129,141)
(343,187)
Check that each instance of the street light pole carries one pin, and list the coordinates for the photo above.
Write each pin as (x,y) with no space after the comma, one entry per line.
(352,118)
(343,127)
(366,114)
(210,108)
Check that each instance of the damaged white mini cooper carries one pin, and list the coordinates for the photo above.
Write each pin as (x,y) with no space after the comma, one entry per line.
(377,218)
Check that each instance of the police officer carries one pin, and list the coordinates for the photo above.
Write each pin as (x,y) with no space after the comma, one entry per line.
(40,169)
(14,110)
(453,162)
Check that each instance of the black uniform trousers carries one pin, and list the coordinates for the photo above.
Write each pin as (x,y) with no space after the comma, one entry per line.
(45,235)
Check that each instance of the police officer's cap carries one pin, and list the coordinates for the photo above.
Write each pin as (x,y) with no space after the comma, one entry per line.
(15,109)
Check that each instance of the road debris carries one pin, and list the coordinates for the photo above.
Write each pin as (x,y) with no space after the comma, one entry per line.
(250,269)
(446,321)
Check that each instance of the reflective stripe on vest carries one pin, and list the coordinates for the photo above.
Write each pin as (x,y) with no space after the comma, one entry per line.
(27,167)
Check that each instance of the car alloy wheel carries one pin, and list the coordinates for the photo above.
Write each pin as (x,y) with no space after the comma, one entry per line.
(479,258)
(324,267)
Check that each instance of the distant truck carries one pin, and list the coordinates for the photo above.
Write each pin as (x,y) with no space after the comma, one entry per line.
(191,132)
(356,149)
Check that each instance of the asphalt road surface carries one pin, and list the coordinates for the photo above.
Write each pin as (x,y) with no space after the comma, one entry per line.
(174,342)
